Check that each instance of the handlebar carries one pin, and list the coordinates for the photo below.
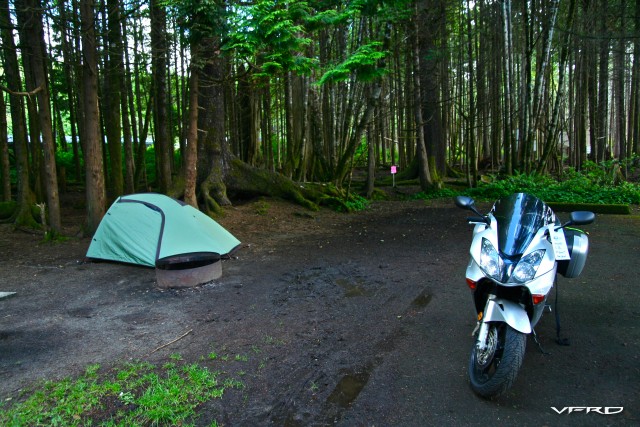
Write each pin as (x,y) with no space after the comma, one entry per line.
(478,219)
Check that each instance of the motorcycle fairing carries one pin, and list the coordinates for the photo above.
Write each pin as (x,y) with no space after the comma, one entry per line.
(502,310)
(541,284)
(536,240)
(519,217)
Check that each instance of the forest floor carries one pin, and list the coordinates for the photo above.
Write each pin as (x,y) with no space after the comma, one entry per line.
(360,319)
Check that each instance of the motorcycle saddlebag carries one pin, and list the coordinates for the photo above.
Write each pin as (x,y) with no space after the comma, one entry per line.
(578,245)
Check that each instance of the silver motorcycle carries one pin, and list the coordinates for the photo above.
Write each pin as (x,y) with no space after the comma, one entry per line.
(517,250)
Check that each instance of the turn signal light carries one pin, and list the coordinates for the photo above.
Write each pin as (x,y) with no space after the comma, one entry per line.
(537,298)
(471,284)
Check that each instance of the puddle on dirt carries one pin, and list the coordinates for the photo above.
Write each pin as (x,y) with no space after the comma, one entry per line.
(422,300)
(352,383)
(353,289)
(348,388)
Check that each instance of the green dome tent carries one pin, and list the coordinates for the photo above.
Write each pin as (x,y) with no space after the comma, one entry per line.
(157,231)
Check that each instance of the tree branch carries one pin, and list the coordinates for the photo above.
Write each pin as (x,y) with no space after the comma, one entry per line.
(11,92)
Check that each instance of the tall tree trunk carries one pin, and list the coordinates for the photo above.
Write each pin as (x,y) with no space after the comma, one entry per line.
(160,104)
(619,83)
(69,82)
(191,159)
(344,163)
(30,18)
(424,174)
(128,119)
(371,162)
(113,84)
(472,144)
(580,108)
(509,147)
(541,72)
(25,196)
(430,13)
(634,111)
(95,185)
(602,141)
(214,154)
(553,127)
(592,74)
(5,178)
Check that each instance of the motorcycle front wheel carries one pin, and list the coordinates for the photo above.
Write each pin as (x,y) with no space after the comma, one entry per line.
(493,370)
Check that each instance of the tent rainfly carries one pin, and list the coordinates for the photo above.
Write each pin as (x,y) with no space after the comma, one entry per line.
(154,230)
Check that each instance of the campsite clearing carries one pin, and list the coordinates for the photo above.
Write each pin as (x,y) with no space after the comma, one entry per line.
(327,319)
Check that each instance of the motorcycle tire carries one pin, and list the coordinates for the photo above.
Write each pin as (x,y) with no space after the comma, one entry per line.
(493,371)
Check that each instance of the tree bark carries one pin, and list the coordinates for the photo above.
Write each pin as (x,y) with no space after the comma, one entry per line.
(113,84)
(191,153)
(214,153)
(509,148)
(619,84)
(5,178)
(30,17)
(472,155)
(95,185)
(602,141)
(419,75)
(25,196)
(553,127)
(162,141)
(634,111)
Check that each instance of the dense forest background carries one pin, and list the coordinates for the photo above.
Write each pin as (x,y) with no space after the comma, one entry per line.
(207,99)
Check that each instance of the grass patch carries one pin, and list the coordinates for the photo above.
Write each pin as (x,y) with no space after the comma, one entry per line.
(261,207)
(137,394)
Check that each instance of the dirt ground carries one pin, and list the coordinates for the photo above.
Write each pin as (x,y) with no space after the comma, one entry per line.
(360,319)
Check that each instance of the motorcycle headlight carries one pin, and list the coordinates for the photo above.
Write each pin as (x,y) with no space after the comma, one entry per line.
(490,260)
(527,267)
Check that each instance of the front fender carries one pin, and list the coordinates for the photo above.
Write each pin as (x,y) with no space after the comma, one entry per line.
(501,310)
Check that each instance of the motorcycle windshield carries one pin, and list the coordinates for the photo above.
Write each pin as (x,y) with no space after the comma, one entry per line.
(519,218)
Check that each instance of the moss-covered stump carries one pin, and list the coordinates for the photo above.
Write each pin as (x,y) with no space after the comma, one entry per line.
(593,207)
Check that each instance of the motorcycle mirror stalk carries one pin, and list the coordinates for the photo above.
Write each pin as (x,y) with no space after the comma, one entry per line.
(466,202)
(579,218)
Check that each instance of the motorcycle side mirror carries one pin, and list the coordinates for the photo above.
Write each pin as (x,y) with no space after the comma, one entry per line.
(464,202)
(582,218)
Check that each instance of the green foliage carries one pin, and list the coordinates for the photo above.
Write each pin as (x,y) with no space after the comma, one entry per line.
(354,203)
(345,203)
(596,184)
(137,394)
(199,19)
(273,32)
(363,63)
(589,186)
